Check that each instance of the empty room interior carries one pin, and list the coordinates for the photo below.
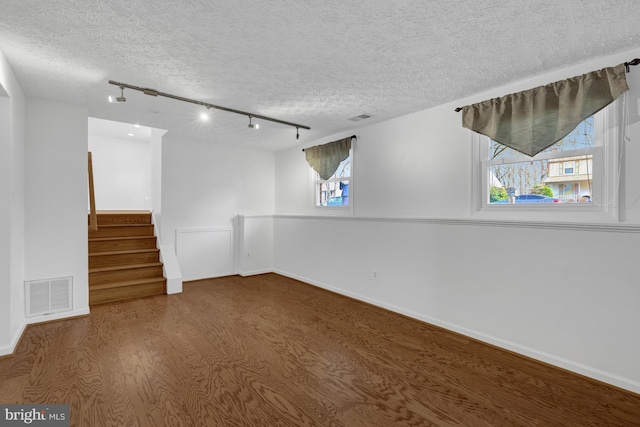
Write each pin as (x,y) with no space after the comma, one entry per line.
(368,213)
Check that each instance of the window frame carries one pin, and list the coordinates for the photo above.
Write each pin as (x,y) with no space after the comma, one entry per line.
(607,179)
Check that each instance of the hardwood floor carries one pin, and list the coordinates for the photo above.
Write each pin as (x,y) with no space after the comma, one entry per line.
(271,351)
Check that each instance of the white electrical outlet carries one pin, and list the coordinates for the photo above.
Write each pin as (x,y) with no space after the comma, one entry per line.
(374,274)
(247,254)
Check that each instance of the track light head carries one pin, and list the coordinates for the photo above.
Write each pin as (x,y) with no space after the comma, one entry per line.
(204,116)
(253,126)
(120,99)
(117,100)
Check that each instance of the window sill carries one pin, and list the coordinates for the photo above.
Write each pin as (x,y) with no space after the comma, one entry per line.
(333,210)
(564,213)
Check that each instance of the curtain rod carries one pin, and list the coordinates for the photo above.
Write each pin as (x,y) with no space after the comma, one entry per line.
(633,62)
(352,137)
(154,92)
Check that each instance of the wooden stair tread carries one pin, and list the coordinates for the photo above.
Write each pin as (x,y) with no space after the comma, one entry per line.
(124,267)
(123,225)
(105,218)
(130,252)
(125,283)
(117,212)
(106,239)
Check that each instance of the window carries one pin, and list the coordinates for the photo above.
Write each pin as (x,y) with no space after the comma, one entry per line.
(580,170)
(568,166)
(330,169)
(335,191)
(548,174)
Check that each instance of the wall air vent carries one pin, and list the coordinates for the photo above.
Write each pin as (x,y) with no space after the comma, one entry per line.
(49,296)
(360,117)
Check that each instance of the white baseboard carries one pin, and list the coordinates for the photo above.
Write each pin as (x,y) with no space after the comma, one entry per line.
(254,272)
(9,349)
(560,362)
(6,350)
(58,316)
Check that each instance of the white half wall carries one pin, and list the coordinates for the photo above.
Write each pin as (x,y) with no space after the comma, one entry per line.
(255,244)
(508,285)
(205,252)
(57,196)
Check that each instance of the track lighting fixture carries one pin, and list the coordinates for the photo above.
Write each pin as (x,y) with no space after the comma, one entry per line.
(120,99)
(153,92)
(253,126)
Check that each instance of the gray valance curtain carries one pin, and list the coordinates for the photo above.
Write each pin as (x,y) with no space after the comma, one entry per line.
(326,158)
(535,119)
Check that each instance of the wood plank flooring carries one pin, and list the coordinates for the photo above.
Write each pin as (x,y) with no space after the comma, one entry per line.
(271,351)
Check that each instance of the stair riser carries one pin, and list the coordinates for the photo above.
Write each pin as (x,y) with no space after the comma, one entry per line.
(122,231)
(120,275)
(125,218)
(96,261)
(127,292)
(122,245)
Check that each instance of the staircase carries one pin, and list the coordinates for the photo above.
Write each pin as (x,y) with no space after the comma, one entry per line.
(124,261)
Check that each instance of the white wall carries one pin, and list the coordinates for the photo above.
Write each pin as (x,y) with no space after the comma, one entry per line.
(206,185)
(156,176)
(5,218)
(12,139)
(506,282)
(121,173)
(57,196)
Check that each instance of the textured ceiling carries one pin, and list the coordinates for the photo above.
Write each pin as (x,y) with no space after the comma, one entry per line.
(316,63)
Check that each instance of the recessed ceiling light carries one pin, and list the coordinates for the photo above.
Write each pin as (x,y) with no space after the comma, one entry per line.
(130,134)
(136,126)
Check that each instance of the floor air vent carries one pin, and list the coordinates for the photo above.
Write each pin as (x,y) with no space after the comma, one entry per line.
(49,296)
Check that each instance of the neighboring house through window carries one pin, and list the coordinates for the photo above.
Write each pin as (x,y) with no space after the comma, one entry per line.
(571,179)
